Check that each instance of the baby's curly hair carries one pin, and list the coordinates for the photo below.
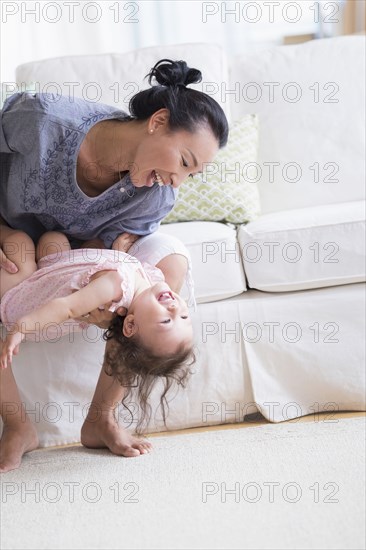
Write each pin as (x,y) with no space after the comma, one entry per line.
(134,365)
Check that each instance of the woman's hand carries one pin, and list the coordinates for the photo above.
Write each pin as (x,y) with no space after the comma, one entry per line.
(124,242)
(10,347)
(93,243)
(6,264)
(102,318)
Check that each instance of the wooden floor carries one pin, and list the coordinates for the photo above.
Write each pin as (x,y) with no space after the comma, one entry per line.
(250,422)
(259,420)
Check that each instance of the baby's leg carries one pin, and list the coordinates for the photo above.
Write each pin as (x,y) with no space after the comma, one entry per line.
(174,268)
(52,242)
(19,248)
(167,253)
(19,434)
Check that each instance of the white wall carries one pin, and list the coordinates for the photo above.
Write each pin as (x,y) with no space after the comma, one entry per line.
(34,30)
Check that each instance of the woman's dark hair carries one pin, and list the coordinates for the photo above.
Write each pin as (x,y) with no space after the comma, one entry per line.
(188,108)
(134,366)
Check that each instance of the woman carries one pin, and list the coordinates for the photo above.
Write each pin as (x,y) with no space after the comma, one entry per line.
(92,171)
(106,178)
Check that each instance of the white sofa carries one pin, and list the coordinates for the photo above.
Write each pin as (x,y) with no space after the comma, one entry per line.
(280,323)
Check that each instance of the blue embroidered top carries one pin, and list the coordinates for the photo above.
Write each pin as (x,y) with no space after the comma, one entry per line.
(40,136)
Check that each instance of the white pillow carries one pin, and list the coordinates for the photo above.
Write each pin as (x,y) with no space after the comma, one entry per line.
(322,131)
(227,190)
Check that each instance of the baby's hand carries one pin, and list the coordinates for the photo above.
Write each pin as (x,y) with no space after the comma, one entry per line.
(124,242)
(9,348)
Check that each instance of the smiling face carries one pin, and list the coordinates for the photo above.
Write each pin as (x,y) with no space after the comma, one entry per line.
(160,319)
(172,155)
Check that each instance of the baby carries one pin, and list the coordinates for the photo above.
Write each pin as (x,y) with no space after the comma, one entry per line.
(150,331)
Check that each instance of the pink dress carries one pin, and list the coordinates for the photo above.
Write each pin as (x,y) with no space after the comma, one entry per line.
(59,274)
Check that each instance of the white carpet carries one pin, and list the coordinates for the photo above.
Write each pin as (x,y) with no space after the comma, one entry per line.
(161,504)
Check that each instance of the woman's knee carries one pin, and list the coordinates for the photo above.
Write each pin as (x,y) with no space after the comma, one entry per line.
(19,248)
(52,242)
(17,245)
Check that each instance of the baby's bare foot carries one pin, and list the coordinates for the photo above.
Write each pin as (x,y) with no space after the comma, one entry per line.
(16,440)
(105,432)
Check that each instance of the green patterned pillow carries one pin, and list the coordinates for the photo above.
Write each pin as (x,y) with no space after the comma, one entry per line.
(226,191)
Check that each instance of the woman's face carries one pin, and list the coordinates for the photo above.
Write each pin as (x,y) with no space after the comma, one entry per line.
(174,156)
(160,319)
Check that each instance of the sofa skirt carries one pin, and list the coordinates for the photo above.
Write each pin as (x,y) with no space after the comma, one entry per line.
(285,355)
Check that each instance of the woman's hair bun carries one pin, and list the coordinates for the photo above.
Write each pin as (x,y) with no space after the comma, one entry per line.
(188,108)
(174,73)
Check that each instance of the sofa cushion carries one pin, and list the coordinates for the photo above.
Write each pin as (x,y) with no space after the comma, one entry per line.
(227,189)
(310,100)
(216,265)
(305,248)
(113,78)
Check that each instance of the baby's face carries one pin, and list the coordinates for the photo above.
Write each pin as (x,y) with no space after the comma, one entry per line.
(160,318)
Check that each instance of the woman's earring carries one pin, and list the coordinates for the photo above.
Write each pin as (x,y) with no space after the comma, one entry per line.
(151,131)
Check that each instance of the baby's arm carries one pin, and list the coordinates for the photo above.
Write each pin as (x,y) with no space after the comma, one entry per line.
(98,292)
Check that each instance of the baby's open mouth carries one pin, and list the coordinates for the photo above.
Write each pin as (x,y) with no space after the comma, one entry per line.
(165,296)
